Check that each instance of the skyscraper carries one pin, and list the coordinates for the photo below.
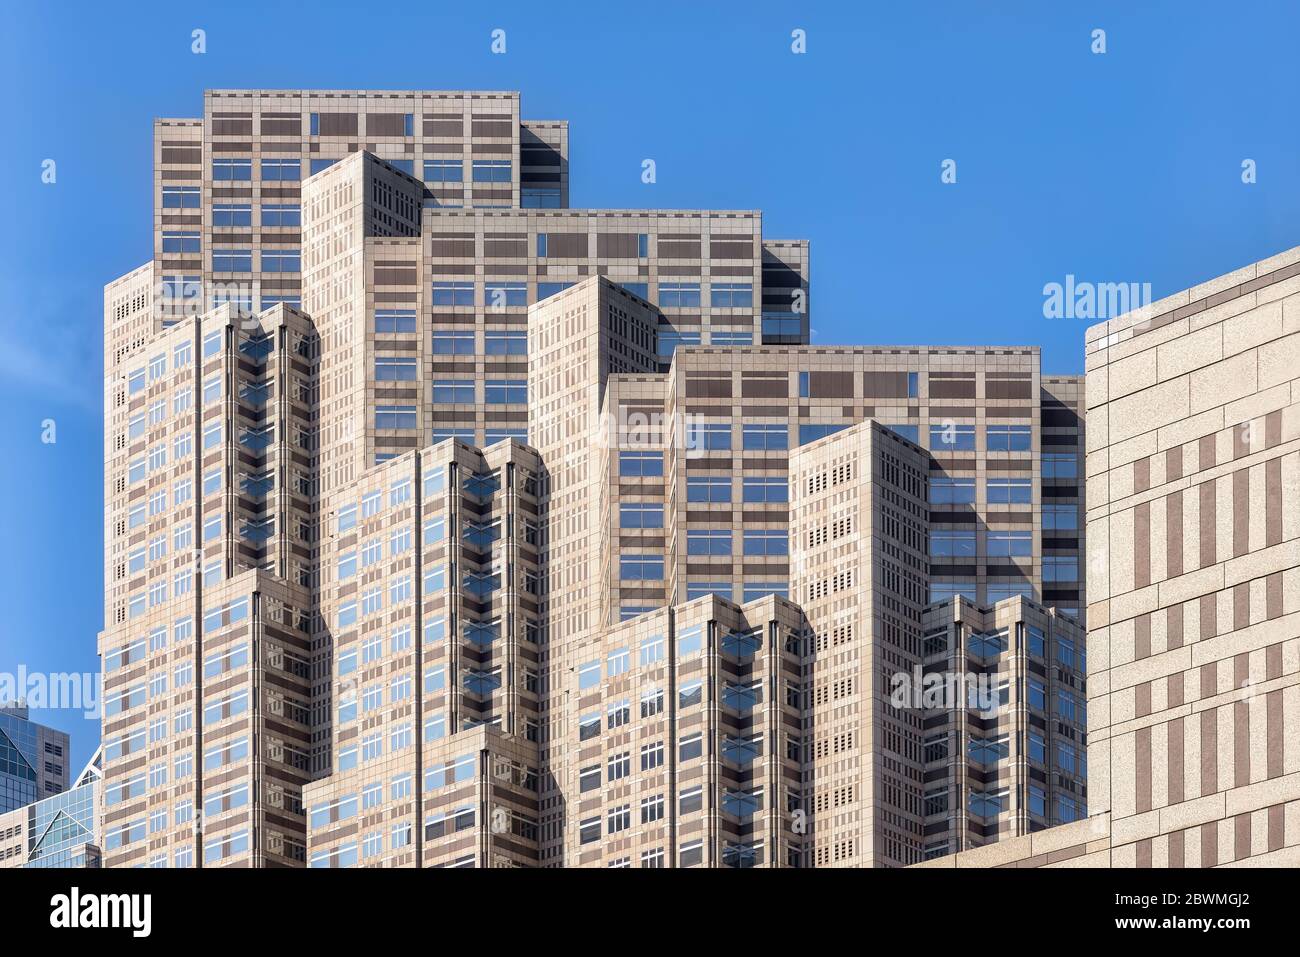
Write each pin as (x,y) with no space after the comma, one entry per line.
(448,526)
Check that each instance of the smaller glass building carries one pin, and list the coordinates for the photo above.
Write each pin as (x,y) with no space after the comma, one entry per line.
(62,831)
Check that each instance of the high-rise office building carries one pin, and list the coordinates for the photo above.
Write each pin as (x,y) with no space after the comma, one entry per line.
(449,526)
(33,759)
(1193,585)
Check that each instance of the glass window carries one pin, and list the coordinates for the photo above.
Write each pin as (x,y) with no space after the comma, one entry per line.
(505,342)
(181,197)
(499,295)
(588,675)
(1060,568)
(908,431)
(1037,747)
(950,437)
(641,515)
(765,438)
(1061,465)
(1037,695)
(945,543)
(670,339)
(493,436)
(491,171)
(699,589)
(690,694)
(766,541)
(232,260)
(986,644)
(176,242)
(453,294)
(395,417)
(750,591)
(443,433)
(731,295)
(711,436)
(396,368)
(281,169)
(505,392)
(812,431)
(1069,655)
(652,652)
(717,338)
(232,215)
(1011,544)
(708,488)
(987,751)
(690,641)
(444,171)
(679,295)
(1008,438)
(453,391)
(232,169)
(396,320)
(1060,516)
(547,289)
(540,197)
(618,662)
(453,342)
(281,260)
(763,489)
(640,464)
(1037,801)
(944,590)
(986,804)
(952,491)
(641,567)
(708,542)
(276,214)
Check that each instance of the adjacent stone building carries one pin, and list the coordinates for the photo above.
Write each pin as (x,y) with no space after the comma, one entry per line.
(1193,584)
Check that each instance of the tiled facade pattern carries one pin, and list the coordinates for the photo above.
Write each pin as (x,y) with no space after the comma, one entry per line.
(434,328)
(684,738)
(577,339)
(726,422)
(334,637)
(859,524)
(1193,526)
(207,739)
(658,454)
(227,187)
(209,485)
(430,598)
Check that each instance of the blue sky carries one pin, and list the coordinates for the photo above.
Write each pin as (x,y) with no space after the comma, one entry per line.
(1118,167)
